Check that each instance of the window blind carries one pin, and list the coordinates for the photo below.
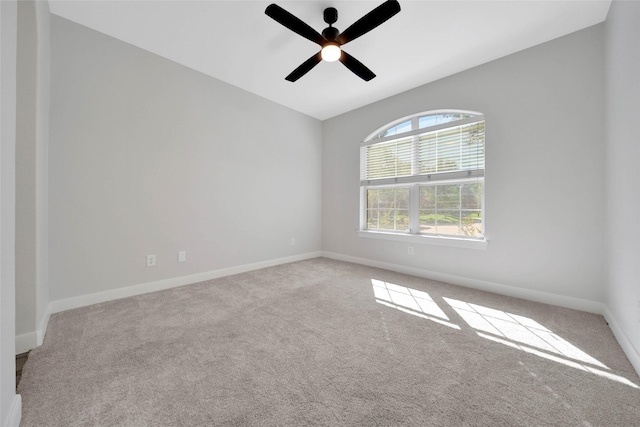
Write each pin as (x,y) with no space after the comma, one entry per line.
(451,153)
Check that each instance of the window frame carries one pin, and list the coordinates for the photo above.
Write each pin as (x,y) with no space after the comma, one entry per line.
(415,180)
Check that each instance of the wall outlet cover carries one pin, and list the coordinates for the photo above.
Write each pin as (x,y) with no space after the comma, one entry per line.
(151,260)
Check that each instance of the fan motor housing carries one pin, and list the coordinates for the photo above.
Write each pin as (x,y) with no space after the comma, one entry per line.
(330,33)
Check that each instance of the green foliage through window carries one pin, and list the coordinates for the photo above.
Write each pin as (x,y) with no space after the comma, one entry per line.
(388,208)
(452,209)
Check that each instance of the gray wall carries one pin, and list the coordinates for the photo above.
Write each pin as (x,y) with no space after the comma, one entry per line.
(544,171)
(32,135)
(9,401)
(622,62)
(149,157)
(26,87)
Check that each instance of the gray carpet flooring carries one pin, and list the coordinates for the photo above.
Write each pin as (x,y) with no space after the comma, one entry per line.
(329,343)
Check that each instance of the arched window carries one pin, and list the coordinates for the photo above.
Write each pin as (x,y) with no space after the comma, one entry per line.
(424,175)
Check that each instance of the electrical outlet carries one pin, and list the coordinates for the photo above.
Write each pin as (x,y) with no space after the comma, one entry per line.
(151,260)
(410,250)
(182,256)
(293,241)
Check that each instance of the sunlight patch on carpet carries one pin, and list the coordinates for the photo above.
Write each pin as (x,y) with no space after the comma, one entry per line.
(560,360)
(410,301)
(513,330)
(530,336)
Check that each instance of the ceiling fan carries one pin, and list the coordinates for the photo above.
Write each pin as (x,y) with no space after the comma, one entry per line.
(331,38)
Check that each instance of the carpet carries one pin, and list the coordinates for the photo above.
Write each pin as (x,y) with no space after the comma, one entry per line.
(327,343)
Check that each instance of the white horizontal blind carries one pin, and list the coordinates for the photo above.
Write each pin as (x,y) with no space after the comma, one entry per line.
(443,154)
(388,159)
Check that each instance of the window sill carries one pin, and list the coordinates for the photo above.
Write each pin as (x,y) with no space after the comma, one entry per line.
(426,240)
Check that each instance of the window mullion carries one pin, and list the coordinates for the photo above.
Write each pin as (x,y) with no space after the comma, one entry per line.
(435,207)
(459,208)
(378,211)
(364,207)
(414,208)
(395,209)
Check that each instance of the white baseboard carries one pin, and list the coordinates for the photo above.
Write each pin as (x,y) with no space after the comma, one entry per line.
(31,340)
(527,294)
(26,342)
(627,346)
(15,412)
(143,288)
(42,327)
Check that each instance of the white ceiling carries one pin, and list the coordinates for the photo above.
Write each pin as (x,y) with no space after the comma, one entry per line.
(236,42)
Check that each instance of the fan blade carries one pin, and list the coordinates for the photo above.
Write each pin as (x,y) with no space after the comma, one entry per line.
(369,21)
(304,68)
(356,66)
(294,24)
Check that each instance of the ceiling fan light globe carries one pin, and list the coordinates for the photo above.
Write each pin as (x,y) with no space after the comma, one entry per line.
(331,53)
